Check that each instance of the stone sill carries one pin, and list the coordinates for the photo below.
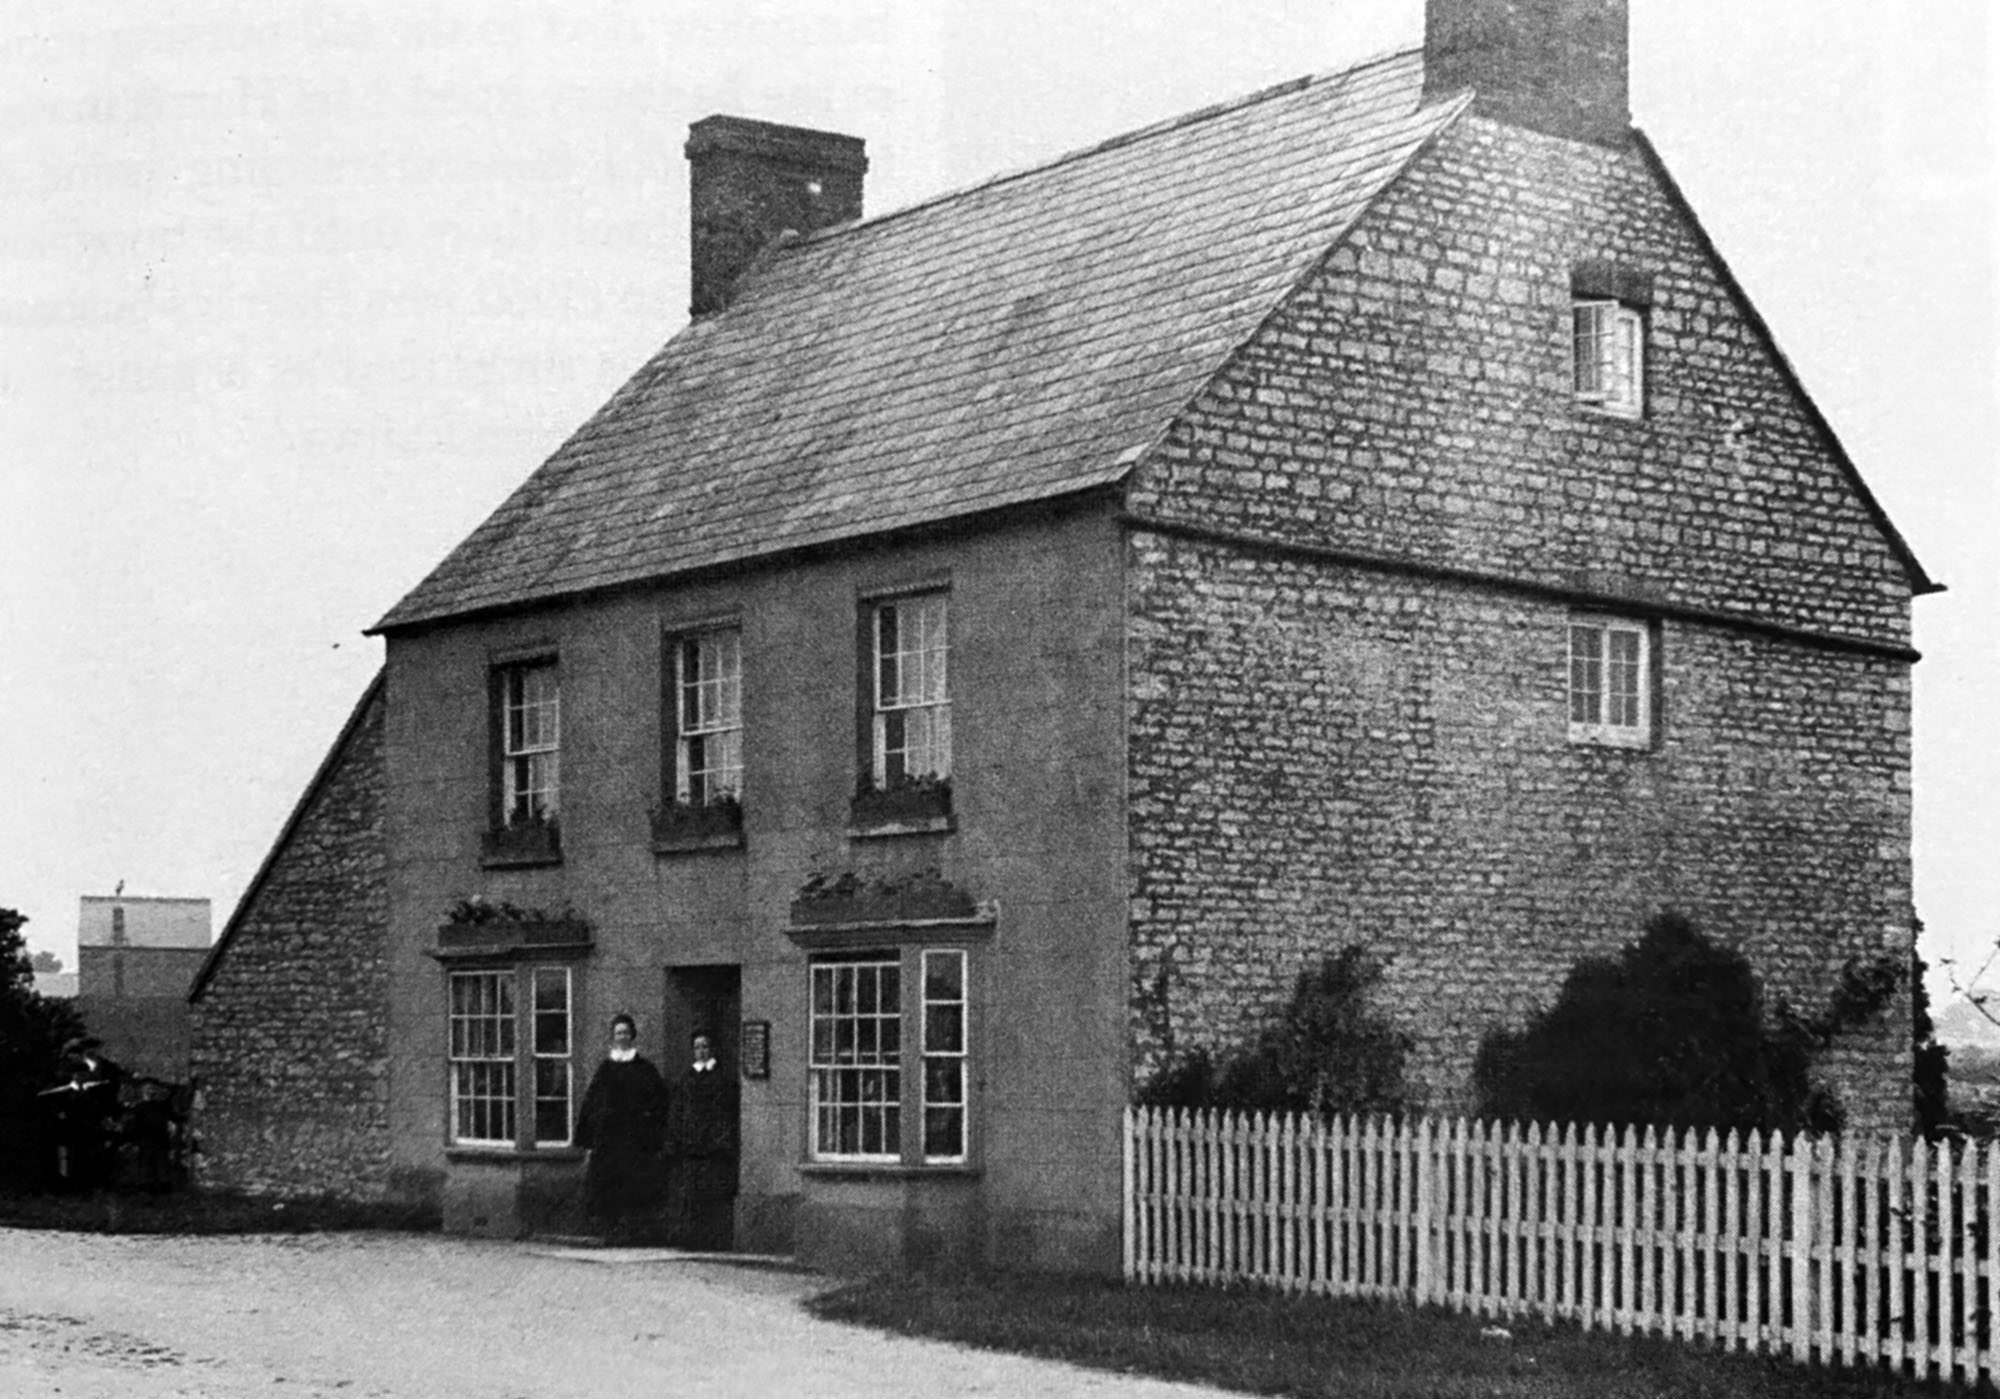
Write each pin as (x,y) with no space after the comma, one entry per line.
(684,845)
(512,1155)
(512,951)
(913,826)
(1597,743)
(886,1170)
(520,861)
(847,937)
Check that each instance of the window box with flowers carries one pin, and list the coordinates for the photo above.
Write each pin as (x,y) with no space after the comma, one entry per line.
(716,824)
(924,896)
(479,927)
(905,804)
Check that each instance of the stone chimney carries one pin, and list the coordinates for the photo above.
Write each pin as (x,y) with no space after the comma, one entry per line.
(1558,66)
(749,182)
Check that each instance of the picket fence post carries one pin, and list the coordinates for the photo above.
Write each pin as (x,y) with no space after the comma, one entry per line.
(1131,1194)
(1426,1206)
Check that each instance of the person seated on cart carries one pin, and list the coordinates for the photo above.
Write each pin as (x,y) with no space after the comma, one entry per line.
(86,1107)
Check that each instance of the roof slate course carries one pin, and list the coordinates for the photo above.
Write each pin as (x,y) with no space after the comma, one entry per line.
(1024,339)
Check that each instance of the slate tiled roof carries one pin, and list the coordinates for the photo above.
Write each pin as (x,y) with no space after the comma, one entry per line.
(1017,341)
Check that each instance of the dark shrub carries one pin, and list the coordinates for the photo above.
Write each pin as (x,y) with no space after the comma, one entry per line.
(1672,1032)
(1330,1052)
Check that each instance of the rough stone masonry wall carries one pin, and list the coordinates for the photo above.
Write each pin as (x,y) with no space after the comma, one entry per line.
(1321,754)
(290,1040)
(1414,400)
(1324,756)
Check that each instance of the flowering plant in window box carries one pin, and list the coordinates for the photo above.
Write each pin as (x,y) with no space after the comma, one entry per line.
(678,822)
(849,897)
(902,799)
(482,922)
(525,839)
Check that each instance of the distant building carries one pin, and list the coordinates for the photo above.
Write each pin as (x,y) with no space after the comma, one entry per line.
(57,985)
(135,960)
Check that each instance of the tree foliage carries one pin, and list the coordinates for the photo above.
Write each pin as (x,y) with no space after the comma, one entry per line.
(1675,1032)
(1330,1052)
(33,1030)
(1932,1064)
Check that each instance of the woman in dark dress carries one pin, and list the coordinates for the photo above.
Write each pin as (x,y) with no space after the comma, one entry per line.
(623,1125)
(701,1149)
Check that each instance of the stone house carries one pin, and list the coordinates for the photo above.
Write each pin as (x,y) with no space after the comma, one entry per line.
(997,643)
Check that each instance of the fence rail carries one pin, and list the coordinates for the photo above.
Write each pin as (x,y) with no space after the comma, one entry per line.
(1848,1251)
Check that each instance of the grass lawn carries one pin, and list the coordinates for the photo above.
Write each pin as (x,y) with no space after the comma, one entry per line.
(197,1212)
(1259,1342)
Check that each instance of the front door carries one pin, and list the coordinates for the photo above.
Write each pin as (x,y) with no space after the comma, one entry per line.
(702,1142)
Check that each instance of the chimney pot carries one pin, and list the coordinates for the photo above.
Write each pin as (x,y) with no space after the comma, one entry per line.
(1557,66)
(749,182)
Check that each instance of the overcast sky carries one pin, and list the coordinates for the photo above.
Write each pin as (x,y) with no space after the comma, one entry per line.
(293,294)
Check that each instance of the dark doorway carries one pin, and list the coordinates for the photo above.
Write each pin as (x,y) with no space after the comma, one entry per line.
(702,1141)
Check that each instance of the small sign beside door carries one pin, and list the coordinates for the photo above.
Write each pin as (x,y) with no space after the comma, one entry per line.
(756,1049)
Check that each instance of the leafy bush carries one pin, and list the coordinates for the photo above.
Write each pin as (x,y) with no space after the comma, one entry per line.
(1330,1052)
(33,1030)
(1674,1032)
(1931,1068)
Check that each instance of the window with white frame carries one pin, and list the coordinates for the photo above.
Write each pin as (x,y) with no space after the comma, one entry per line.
(554,1074)
(871,1043)
(944,1055)
(912,719)
(857,1059)
(1609,345)
(482,1058)
(530,702)
(1610,682)
(708,716)
(506,1075)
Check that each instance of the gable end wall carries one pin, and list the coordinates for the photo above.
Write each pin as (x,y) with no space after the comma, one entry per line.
(1413,400)
(1323,754)
(289,1034)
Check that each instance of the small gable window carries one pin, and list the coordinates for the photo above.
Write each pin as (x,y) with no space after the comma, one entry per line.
(1608,305)
(1610,682)
(1610,357)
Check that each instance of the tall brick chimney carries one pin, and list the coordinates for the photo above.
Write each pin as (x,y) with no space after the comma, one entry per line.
(750,181)
(1556,66)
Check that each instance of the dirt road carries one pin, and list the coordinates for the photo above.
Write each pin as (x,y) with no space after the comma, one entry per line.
(379,1316)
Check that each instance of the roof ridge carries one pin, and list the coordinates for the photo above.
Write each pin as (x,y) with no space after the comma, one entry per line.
(1109,143)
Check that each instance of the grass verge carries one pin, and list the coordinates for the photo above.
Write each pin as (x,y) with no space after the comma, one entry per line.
(202,1212)
(1259,1342)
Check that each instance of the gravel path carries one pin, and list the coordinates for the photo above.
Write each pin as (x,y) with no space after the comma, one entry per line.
(384,1316)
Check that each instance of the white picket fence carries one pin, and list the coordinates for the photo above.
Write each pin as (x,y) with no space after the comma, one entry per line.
(1847,1251)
